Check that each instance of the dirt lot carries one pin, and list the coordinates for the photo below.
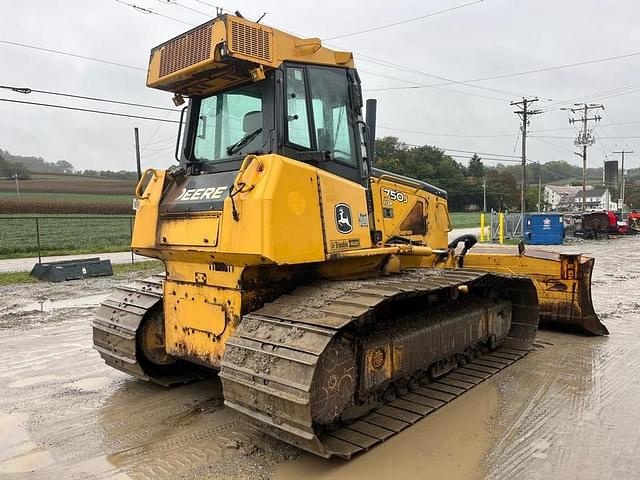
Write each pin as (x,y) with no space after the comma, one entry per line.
(570,409)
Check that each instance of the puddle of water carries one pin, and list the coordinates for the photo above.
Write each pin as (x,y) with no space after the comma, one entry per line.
(77,302)
(33,461)
(450,443)
(12,435)
(18,454)
(92,384)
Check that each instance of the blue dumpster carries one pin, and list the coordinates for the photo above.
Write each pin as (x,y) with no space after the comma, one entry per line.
(543,228)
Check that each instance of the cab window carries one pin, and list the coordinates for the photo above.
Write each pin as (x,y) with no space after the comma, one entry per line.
(327,128)
(230,124)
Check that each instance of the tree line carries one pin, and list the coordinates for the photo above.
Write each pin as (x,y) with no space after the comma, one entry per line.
(24,166)
(464,184)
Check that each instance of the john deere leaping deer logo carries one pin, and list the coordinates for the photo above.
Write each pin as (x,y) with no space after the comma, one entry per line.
(344,221)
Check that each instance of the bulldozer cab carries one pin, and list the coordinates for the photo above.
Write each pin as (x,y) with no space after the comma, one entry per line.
(310,113)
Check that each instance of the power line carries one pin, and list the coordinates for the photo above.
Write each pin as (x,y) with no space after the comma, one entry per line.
(384,63)
(217,7)
(103,112)
(163,140)
(153,12)
(447,149)
(173,2)
(481,153)
(94,99)
(599,137)
(488,159)
(551,144)
(433,134)
(445,81)
(396,79)
(75,55)
(598,95)
(402,22)
(517,74)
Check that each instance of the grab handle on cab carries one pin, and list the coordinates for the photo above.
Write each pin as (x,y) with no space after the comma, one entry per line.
(238,185)
(142,183)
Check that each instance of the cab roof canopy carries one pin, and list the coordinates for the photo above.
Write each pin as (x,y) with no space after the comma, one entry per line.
(230,50)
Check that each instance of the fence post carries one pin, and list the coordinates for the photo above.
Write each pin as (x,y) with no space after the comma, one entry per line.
(501,226)
(482,227)
(490,239)
(131,238)
(38,240)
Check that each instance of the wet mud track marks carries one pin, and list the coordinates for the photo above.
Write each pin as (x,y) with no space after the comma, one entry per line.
(65,414)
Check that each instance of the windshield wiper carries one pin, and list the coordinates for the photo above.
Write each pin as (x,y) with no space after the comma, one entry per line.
(236,147)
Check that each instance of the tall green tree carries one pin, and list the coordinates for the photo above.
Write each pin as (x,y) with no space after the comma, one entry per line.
(476,167)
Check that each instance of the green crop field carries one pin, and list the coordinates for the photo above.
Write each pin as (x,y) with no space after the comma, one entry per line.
(60,235)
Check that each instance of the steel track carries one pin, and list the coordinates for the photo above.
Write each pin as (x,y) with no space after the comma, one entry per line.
(270,361)
(116,324)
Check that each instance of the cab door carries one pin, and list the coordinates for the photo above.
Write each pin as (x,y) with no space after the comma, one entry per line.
(320,119)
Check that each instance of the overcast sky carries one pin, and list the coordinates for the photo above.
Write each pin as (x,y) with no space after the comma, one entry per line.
(486,39)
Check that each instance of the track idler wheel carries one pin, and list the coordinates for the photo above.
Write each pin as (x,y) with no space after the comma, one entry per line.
(150,351)
(334,382)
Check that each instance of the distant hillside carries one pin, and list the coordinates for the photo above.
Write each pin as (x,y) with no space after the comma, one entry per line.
(38,164)
(10,164)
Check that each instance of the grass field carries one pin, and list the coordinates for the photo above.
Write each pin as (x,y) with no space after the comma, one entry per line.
(465,219)
(60,235)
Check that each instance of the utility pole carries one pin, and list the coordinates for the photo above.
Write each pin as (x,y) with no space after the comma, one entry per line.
(621,195)
(17,185)
(584,138)
(524,114)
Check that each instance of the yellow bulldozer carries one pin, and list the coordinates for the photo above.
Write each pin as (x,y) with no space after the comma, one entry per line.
(322,289)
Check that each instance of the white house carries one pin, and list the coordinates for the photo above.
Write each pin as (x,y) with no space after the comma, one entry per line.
(596,198)
(561,197)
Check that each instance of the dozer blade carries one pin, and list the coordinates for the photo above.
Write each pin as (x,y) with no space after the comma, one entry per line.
(562,280)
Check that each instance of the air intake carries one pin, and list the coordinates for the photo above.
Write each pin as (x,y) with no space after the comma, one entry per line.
(249,40)
(182,52)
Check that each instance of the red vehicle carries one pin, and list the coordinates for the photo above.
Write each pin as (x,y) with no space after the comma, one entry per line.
(595,224)
(633,222)
(616,226)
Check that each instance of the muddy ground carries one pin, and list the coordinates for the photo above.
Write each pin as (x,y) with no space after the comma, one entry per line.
(570,409)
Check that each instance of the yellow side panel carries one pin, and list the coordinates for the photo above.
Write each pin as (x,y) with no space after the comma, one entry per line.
(279,213)
(395,211)
(189,231)
(344,213)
